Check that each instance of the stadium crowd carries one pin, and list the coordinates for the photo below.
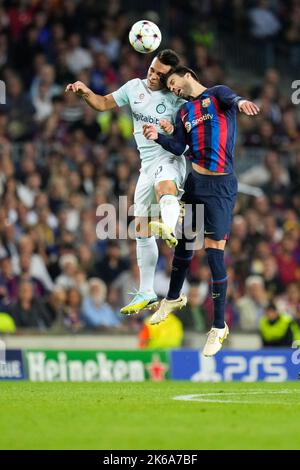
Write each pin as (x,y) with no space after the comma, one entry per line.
(61,162)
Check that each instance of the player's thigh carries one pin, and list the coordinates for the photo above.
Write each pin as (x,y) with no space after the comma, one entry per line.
(218,212)
(213,199)
(169,176)
(192,209)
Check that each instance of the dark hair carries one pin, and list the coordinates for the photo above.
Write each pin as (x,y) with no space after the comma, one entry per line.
(271,306)
(168,57)
(180,70)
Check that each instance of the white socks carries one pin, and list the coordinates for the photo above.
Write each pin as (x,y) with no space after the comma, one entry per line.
(170,210)
(147,256)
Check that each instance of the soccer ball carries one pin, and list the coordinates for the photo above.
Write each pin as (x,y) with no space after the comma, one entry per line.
(145,36)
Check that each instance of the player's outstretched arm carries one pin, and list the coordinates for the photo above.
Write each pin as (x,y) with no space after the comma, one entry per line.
(230,98)
(98,102)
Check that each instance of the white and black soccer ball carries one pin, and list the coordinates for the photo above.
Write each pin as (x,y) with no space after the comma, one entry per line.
(145,36)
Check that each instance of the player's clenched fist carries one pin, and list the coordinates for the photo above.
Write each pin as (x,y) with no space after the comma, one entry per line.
(150,131)
(166,126)
(78,87)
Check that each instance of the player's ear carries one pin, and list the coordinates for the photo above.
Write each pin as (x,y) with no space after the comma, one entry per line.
(187,75)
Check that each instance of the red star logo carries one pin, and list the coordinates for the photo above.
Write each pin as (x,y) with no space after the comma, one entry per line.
(157,369)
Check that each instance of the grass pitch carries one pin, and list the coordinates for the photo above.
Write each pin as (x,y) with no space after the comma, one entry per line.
(145,416)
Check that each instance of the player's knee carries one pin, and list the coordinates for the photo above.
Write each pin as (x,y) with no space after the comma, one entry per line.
(141,227)
(217,244)
(165,187)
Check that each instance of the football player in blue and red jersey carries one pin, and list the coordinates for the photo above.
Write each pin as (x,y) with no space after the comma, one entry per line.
(207,124)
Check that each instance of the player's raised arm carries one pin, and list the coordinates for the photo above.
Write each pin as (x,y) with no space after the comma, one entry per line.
(97,102)
(230,98)
(175,144)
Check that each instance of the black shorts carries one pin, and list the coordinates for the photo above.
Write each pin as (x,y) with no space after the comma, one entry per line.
(218,196)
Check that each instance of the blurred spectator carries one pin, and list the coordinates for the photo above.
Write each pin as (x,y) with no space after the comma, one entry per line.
(38,268)
(251,306)
(27,192)
(73,319)
(260,174)
(264,27)
(102,75)
(294,171)
(95,310)
(38,287)
(77,57)
(27,311)
(69,266)
(43,84)
(107,42)
(288,268)
(112,264)
(168,335)
(56,307)
(270,275)
(90,128)
(8,282)
(278,329)
(292,34)
(20,111)
(289,302)
(192,315)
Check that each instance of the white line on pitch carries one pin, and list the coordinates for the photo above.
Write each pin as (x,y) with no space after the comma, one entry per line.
(202,397)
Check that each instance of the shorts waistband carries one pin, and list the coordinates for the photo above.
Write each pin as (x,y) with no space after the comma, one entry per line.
(226,177)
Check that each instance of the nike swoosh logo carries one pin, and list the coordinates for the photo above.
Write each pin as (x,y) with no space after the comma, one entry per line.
(208,233)
(224,337)
(137,102)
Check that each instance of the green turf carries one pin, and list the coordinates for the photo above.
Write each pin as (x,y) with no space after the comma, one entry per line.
(144,416)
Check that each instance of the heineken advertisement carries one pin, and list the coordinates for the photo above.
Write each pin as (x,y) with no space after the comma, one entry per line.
(102,366)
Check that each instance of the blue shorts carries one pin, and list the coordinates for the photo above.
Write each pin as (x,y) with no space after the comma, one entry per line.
(218,195)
